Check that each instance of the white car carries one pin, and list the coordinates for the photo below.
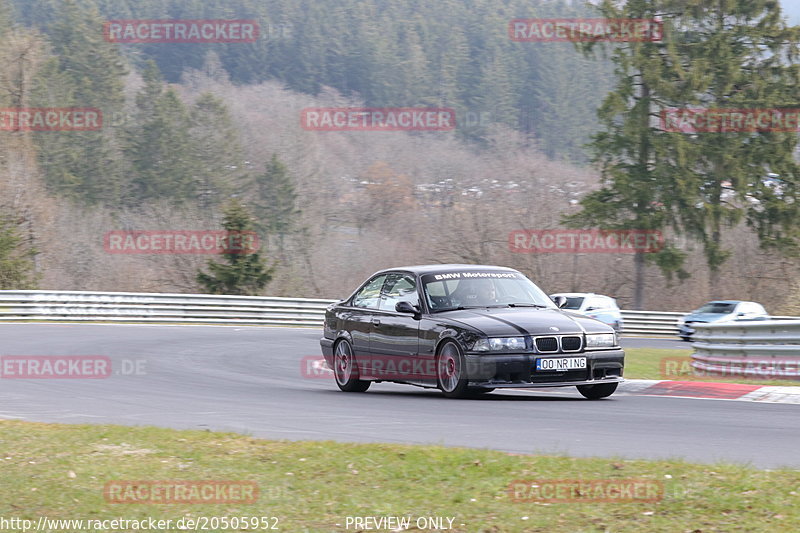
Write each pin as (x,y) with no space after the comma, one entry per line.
(597,306)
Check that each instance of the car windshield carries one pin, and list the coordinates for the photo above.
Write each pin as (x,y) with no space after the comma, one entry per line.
(469,289)
(717,308)
(573,302)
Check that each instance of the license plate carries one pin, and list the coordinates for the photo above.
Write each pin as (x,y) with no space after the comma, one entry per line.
(560,364)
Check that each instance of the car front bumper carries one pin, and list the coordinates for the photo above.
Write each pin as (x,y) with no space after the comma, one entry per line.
(518,370)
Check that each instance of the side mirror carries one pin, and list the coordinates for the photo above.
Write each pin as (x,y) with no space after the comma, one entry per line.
(406,307)
(560,301)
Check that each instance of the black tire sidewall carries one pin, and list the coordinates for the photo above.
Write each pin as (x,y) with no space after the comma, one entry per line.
(353,384)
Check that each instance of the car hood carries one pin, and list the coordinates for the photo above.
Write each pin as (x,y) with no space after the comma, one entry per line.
(526,321)
(706,317)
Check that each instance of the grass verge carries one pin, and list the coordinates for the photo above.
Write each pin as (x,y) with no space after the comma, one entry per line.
(59,471)
(657,363)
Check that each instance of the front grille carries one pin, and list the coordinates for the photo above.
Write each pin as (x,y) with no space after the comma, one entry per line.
(571,344)
(547,344)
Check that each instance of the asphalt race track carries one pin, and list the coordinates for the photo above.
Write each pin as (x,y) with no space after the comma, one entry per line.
(249,380)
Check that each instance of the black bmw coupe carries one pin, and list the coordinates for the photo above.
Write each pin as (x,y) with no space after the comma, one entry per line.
(466,329)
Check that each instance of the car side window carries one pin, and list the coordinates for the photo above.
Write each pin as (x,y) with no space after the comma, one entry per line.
(595,303)
(750,308)
(399,288)
(369,296)
(607,303)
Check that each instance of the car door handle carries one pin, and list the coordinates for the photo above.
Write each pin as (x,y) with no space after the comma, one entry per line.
(376,321)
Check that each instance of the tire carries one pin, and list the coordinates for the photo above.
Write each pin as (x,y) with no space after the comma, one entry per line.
(477,391)
(596,392)
(345,370)
(450,367)
(686,339)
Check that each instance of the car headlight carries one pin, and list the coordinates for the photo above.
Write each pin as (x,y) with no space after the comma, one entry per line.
(499,344)
(600,340)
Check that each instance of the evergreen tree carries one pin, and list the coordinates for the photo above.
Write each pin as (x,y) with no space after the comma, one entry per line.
(635,189)
(276,199)
(85,71)
(732,54)
(216,149)
(448,53)
(16,261)
(740,55)
(243,273)
(159,145)
(5,17)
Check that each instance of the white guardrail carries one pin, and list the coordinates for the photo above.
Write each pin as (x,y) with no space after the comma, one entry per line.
(765,349)
(76,306)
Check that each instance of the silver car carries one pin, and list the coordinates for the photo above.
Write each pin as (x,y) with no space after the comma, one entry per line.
(718,311)
(597,306)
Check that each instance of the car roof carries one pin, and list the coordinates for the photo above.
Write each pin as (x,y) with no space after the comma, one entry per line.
(425,269)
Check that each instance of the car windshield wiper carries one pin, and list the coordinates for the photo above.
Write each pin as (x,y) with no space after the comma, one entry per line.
(522,304)
(461,308)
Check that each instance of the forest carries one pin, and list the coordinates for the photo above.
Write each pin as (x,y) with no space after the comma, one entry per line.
(189,127)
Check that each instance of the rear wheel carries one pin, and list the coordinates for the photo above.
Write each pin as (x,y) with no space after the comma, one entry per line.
(345,369)
(596,392)
(451,371)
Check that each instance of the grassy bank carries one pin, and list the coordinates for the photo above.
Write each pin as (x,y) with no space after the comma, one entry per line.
(655,363)
(60,471)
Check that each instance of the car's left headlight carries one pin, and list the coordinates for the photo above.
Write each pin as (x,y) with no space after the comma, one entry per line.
(500,344)
(600,340)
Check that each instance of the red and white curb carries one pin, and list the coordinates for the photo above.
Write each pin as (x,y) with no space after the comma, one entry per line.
(712,390)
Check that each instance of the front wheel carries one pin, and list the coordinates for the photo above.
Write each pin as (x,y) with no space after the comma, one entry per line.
(345,369)
(596,392)
(451,371)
